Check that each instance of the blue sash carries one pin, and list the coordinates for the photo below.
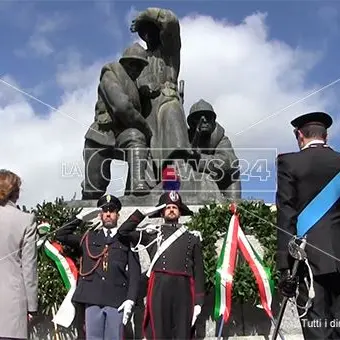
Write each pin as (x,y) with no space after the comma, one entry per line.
(319,206)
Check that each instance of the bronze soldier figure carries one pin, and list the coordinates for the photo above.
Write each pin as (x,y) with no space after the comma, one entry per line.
(158,82)
(118,126)
(215,154)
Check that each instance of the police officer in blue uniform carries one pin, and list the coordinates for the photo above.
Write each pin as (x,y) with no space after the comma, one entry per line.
(109,273)
(301,176)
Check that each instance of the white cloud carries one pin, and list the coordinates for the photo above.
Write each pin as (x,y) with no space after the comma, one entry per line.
(243,73)
(247,77)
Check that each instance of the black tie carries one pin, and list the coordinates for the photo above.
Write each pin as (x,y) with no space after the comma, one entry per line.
(108,237)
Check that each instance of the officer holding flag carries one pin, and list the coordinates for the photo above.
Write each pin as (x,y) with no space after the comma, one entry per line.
(308,204)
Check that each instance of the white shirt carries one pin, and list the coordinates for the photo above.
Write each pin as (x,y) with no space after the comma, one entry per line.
(112,231)
(315,141)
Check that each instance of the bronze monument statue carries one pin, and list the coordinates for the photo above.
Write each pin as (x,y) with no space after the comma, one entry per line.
(118,125)
(140,118)
(216,155)
(158,82)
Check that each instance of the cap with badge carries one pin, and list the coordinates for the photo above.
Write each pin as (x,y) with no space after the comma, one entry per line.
(109,202)
(312,118)
(172,197)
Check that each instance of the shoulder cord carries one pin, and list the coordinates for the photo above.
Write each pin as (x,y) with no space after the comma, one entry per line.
(311,291)
(93,257)
(158,238)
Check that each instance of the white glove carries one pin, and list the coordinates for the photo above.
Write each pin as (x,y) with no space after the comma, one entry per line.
(152,210)
(88,214)
(127,307)
(197,312)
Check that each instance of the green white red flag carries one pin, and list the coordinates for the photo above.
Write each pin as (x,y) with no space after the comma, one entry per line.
(68,272)
(235,239)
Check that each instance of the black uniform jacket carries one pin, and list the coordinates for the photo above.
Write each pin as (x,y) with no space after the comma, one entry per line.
(300,177)
(95,285)
(182,257)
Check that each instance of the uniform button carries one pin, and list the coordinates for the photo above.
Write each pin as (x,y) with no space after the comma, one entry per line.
(163,262)
(163,268)
(103,278)
(188,252)
(163,256)
(124,284)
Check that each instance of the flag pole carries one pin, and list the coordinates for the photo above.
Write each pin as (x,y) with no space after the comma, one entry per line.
(220,329)
(233,209)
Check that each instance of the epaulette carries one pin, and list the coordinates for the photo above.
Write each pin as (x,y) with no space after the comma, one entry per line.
(196,233)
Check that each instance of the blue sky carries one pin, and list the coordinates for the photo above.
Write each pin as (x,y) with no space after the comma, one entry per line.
(100,29)
(43,39)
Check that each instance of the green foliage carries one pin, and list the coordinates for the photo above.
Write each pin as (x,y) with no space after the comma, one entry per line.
(256,219)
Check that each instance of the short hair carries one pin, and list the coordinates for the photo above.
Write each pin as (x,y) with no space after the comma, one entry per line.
(314,131)
(9,185)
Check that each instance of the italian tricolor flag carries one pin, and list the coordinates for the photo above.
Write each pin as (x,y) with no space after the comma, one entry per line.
(68,272)
(234,239)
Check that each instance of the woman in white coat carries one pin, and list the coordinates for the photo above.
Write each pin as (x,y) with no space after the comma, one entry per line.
(18,261)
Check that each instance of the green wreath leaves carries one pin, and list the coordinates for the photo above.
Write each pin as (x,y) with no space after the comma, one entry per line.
(256,219)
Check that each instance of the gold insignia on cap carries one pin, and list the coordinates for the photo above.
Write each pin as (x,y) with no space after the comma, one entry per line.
(108,198)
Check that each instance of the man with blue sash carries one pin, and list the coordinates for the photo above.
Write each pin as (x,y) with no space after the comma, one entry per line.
(308,205)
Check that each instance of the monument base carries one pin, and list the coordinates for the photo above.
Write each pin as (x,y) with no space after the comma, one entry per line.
(200,189)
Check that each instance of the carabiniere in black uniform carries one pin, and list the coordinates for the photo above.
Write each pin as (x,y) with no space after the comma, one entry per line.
(301,176)
(176,282)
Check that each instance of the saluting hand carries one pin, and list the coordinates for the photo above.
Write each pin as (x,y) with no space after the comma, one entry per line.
(88,214)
